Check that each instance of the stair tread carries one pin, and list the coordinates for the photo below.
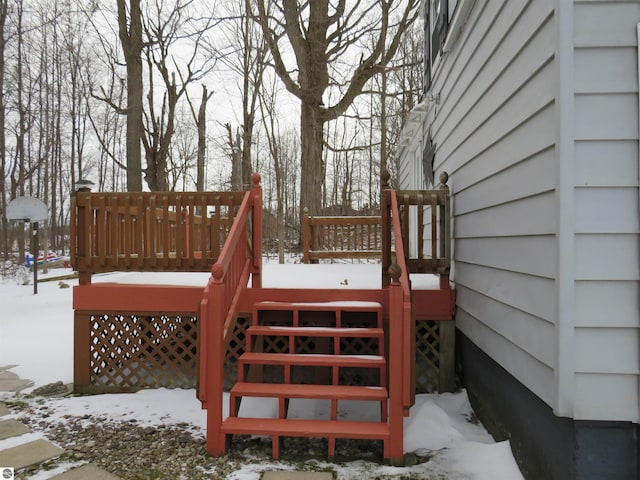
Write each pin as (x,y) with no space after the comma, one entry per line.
(313,359)
(373,332)
(339,392)
(320,306)
(305,428)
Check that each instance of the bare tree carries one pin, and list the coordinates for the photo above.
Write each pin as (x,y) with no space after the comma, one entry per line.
(4,235)
(246,58)
(166,31)
(130,33)
(323,36)
(200,119)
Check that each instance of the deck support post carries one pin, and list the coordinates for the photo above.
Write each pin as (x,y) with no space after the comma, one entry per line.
(394,447)
(256,244)
(215,353)
(447,374)
(81,350)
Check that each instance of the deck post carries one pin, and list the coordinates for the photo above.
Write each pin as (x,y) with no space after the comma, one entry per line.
(256,244)
(447,334)
(214,355)
(306,235)
(394,452)
(81,350)
(385,228)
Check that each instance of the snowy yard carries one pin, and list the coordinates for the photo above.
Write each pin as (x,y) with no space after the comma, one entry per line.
(36,335)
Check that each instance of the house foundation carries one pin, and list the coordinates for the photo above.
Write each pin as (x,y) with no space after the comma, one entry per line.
(545,446)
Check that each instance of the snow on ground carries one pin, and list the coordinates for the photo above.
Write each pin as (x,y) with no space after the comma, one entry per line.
(36,335)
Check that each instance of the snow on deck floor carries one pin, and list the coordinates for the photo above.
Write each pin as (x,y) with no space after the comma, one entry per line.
(345,276)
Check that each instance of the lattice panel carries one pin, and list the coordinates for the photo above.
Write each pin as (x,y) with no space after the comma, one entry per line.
(131,351)
(359,346)
(276,344)
(235,347)
(427,356)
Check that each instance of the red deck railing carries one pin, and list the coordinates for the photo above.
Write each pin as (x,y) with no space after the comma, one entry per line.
(344,237)
(424,228)
(219,306)
(149,231)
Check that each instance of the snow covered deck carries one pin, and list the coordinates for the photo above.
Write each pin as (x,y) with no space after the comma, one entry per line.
(366,276)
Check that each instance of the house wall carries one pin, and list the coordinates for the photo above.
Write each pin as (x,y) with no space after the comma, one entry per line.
(537,126)
(607,322)
(495,136)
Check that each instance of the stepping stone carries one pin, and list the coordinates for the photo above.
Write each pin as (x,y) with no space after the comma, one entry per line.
(3,409)
(14,384)
(297,476)
(12,428)
(86,471)
(28,454)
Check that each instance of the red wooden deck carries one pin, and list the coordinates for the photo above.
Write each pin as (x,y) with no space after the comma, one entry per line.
(307,317)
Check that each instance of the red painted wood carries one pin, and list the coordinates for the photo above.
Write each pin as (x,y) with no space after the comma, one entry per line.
(225,295)
(256,244)
(252,296)
(326,392)
(313,360)
(306,428)
(323,306)
(136,298)
(434,304)
(317,331)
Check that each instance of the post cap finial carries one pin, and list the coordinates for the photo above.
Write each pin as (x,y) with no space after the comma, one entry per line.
(255,178)
(444,178)
(386,176)
(394,272)
(217,271)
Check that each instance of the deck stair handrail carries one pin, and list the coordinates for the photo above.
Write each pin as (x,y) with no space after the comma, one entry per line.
(401,332)
(241,258)
(341,237)
(407,213)
(150,231)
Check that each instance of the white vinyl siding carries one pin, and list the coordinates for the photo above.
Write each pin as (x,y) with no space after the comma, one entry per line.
(606,210)
(540,139)
(620,394)
(495,135)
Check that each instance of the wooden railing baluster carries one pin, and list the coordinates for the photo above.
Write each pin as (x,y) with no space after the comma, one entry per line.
(149,231)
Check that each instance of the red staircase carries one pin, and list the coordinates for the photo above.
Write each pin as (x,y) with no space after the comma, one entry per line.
(311,349)
(319,344)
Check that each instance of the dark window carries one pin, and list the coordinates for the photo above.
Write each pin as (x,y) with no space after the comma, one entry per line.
(428,156)
(426,60)
(440,15)
(436,24)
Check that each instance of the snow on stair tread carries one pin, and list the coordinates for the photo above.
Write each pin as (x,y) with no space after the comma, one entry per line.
(316,331)
(313,359)
(305,428)
(346,304)
(339,392)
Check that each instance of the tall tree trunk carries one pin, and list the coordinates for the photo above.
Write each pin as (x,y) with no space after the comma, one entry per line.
(319,33)
(19,187)
(311,164)
(202,139)
(4,236)
(130,32)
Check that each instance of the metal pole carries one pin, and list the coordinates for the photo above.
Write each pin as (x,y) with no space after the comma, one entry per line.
(35,249)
